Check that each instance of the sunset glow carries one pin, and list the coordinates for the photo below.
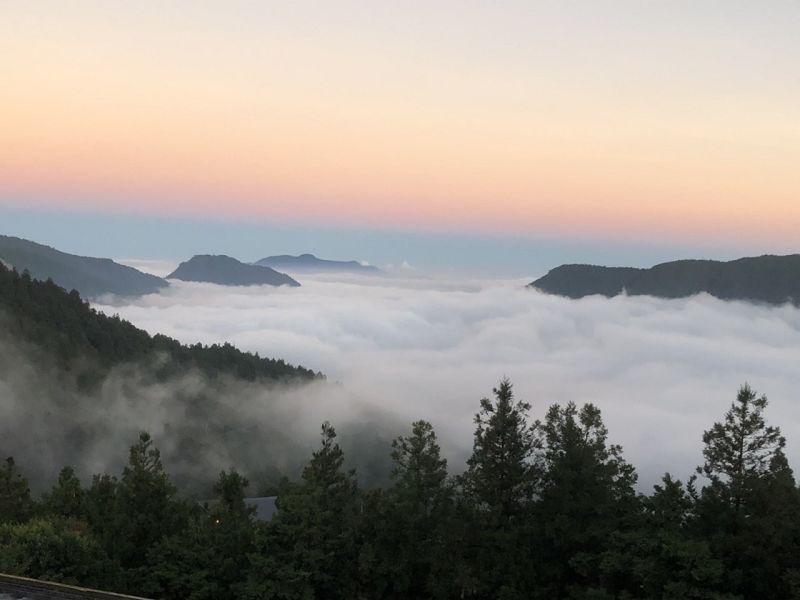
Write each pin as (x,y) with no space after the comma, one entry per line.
(466,117)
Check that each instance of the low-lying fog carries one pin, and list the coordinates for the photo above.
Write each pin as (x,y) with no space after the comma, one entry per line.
(661,371)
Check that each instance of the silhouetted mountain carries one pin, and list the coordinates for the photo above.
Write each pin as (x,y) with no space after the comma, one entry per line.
(92,277)
(225,270)
(770,279)
(308,263)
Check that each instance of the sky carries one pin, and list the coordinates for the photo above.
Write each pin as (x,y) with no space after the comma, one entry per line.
(626,131)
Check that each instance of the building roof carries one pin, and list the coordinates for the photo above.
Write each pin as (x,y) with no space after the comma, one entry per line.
(265,507)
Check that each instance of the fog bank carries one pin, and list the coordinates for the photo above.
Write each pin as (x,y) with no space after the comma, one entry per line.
(661,371)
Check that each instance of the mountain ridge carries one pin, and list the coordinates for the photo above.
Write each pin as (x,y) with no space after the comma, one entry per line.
(769,278)
(308,263)
(90,276)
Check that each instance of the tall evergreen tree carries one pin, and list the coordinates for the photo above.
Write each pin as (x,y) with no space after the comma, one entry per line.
(309,549)
(406,527)
(500,482)
(209,559)
(739,451)
(136,512)
(502,472)
(67,498)
(587,495)
(749,509)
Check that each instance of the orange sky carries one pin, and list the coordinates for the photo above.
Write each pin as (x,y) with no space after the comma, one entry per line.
(593,118)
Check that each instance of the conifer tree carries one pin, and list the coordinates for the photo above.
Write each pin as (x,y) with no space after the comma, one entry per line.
(749,509)
(500,482)
(67,498)
(502,472)
(309,549)
(587,495)
(208,559)
(144,510)
(739,450)
(405,528)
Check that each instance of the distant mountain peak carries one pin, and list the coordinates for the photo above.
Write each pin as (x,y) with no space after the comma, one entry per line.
(308,263)
(226,270)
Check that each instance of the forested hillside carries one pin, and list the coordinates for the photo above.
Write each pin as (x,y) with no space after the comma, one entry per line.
(73,381)
(544,510)
(79,337)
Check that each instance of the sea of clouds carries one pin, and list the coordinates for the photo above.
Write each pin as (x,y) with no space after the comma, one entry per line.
(661,371)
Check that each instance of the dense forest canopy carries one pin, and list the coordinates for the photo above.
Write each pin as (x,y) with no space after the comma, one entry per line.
(543,510)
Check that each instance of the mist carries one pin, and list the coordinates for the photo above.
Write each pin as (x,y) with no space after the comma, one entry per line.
(661,371)
(200,425)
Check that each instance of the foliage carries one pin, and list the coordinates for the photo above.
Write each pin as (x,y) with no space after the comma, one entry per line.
(90,343)
(54,551)
(16,504)
(543,510)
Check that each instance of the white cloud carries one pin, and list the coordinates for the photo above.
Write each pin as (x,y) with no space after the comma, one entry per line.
(661,371)
(159,268)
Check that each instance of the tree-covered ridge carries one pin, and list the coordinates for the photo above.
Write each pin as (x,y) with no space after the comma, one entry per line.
(80,338)
(92,277)
(544,510)
(768,279)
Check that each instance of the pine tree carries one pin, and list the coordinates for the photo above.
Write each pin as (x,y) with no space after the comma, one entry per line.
(739,451)
(309,549)
(405,528)
(587,495)
(144,511)
(749,508)
(209,559)
(67,499)
(502,472)
(500,482)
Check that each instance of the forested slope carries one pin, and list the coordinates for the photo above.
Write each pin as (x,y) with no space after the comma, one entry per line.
(73,381)
(66,326)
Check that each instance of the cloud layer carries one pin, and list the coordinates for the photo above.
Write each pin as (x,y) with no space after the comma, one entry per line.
(661,371)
